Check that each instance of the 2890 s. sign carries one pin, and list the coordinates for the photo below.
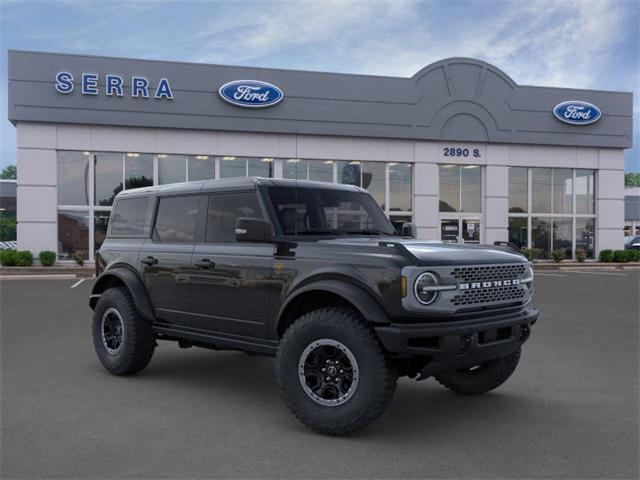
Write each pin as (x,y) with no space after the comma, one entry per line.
(577,112)
(250,93)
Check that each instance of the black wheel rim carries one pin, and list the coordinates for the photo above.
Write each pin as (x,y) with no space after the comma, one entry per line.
(112,330)
(328,372)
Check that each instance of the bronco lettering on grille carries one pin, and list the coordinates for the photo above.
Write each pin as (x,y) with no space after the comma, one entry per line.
(492,284)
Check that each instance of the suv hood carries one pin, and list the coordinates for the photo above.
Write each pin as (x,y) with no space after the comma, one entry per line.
(436,253)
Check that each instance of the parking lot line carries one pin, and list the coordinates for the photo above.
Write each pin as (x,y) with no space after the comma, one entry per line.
(540,274)
(78,283)
(599,273)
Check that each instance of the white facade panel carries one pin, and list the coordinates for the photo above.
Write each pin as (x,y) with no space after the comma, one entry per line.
(37,237)
(609,182)
(36,135)
(73,137)
(36,203)
(425,210)
(123,139)
(37,167)
(189,143)
(425,179)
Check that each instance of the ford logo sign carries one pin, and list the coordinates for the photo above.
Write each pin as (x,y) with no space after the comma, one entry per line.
(577,112)
(250,93)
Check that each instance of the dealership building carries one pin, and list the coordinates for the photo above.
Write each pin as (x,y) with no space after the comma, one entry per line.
(459,149)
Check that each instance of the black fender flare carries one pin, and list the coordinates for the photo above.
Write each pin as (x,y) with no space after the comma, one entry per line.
(362,300)
(132,281)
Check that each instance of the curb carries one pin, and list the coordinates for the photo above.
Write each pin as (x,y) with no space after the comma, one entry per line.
(585,266)
(52,276)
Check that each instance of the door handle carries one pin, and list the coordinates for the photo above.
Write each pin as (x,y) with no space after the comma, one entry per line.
(149,261)
(204,263)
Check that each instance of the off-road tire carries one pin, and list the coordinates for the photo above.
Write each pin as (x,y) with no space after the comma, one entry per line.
(377,374)
(481,380)
(138,341)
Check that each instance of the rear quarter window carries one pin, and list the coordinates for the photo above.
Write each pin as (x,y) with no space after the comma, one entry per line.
(176,219)
(129,217)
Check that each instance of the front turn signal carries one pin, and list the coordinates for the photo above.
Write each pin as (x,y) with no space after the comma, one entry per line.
(403,286)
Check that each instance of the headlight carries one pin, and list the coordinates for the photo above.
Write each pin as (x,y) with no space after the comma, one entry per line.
(426,288)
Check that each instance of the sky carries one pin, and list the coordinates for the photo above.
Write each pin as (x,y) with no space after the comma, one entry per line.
(565,43)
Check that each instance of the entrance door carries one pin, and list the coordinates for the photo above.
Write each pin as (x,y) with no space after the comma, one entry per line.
(460,230)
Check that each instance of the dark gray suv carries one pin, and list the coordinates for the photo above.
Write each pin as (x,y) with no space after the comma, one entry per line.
(316,275)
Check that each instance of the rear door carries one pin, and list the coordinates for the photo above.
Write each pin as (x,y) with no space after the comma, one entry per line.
(166,257)
(230,288)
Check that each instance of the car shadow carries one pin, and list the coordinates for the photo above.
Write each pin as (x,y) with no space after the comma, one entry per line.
(418,409)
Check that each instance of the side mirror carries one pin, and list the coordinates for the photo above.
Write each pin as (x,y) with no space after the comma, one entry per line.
(636,245)
(253,230)
(408,230)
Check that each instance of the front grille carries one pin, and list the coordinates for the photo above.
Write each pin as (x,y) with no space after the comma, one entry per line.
(487,273)
(511,293)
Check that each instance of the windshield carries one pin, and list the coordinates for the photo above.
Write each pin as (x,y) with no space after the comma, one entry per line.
(309,211)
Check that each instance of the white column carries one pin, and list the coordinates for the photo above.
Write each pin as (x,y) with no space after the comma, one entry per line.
(426,191)
(37,188)
(610,200)
(496,206)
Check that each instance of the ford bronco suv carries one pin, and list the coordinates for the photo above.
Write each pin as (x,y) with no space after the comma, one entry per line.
(314,274)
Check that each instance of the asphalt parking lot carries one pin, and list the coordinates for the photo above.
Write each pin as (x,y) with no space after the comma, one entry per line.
(569,411)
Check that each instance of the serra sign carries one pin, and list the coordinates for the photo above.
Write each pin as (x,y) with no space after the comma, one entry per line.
(113,85)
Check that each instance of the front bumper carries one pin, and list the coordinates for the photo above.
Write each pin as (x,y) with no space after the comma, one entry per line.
(459,344)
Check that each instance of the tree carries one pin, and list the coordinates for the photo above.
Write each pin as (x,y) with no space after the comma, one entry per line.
(9,173)
(632,180)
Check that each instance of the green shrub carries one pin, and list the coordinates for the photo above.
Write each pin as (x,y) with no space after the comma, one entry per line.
(24,258)
(606,256)
(620,256)
(633,255)
(531,253)
(8,258)
(79,256)
(558,255)
(581,254)
(47,258)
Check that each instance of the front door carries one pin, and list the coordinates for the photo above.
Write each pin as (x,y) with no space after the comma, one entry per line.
(166,258)
(230,288)
(460,230)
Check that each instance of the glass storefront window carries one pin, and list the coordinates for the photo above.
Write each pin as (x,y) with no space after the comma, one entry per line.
(398,221)
(449,188)
(585,192)
(400,188)
(73,178)
(471,190)
(138,170)
(201,167)
(260,167)
(108,178)
(518,190)
(73,233)
(100,222)
(541,235)
(320,170)
(471,231)
(518,231)
(541,190)
(562,190)
(350,173)
(294,168)
(373,179)
(233,167)
(171,169)
(562,235)
(585,235)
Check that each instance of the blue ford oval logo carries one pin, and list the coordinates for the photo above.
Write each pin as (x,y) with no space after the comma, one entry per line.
(251,93)
(577,112)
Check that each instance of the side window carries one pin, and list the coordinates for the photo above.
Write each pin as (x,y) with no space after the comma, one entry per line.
(176,219)
(129,216)
(225,209)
